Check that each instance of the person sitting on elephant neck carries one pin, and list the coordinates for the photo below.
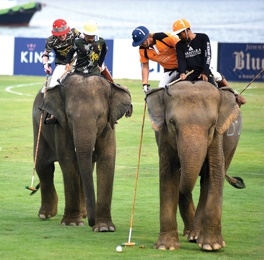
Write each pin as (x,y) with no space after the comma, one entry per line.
(91,52)
(61,40)
(194,53)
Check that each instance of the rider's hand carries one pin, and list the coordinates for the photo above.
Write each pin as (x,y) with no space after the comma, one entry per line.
(183,76)
(47,68)
(204,77)
(145,87)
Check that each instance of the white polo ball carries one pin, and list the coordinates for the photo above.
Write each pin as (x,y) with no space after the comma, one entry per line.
(119,249)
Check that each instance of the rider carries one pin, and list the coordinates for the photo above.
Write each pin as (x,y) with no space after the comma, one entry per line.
(60,42)
(91,52)
(158,47)
(194,53)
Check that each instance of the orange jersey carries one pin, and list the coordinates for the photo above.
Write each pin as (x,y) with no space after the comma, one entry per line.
(163,51)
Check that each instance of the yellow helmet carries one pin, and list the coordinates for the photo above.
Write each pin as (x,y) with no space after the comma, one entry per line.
(180,25)
(90,28)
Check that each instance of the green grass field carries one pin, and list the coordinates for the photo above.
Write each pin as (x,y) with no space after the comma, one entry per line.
(24,236)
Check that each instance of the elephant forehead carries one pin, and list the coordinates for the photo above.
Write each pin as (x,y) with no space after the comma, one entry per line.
(194,89)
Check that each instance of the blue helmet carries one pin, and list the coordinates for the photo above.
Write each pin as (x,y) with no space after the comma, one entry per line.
(139,35)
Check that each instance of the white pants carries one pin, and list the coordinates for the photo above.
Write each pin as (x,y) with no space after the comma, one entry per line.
(217,76)
(57,73)
(167,78)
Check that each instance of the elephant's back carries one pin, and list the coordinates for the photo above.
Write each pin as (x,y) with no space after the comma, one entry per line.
(194,88)
(83,80)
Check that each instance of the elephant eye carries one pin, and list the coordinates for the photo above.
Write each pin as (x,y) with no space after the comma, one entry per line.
(212,128)
(173,125)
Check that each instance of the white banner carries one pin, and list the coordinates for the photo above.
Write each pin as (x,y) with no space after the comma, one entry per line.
(7,47)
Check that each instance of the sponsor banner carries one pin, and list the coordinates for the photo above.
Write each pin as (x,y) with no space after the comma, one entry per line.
(241,62)
(28,56)
(7,47)
(27,59)
(109,56)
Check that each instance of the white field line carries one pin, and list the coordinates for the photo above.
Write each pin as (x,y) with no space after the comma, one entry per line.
(9,89)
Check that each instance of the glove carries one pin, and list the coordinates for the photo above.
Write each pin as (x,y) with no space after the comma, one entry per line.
(146,87)
(47,68)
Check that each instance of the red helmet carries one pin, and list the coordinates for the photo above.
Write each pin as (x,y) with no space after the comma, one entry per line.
(60,27)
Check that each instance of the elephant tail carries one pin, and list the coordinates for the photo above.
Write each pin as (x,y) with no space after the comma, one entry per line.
(236,182)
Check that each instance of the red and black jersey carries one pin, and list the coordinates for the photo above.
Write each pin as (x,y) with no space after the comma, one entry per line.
(61,48)
(163,51)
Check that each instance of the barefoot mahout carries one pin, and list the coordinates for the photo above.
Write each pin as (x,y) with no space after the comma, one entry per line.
(87,109)
(197,128)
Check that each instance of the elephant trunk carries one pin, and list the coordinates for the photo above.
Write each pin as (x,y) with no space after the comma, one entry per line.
(84,157)
(192,152)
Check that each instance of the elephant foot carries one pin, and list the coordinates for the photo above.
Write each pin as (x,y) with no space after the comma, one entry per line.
(194,232)
(167,241)
(47,212)
(83,213)
(210,243)
(72,221)
(104,226)
(186,232)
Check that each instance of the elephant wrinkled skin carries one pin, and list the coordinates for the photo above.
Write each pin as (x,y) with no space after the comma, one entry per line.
(197,129)
(86,108)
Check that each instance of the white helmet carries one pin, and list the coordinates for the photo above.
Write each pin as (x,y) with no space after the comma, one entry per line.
(90,28)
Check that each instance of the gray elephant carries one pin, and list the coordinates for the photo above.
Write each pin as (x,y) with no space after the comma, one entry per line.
(197,129)
(87,109)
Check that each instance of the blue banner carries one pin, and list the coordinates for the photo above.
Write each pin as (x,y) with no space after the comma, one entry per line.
(109,56)
(28,56)
(241,62)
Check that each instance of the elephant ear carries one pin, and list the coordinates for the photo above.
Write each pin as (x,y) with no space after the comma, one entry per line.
(156,108)
(54,105)
(119,104)
(228,111)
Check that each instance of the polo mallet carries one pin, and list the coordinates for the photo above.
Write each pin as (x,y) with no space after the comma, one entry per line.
(179,79)
(129,243)
(31,187)
(251,81)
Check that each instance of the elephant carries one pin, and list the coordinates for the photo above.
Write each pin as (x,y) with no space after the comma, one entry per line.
(87,109)
(197,128)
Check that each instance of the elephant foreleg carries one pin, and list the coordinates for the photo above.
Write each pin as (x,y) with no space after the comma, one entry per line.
(72,182)
(169,195)
(73,214)
(105,167)
(49,198)
(210,237)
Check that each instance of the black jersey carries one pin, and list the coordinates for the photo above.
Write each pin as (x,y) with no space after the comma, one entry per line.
(61,48)
(90,55)
(194,55)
